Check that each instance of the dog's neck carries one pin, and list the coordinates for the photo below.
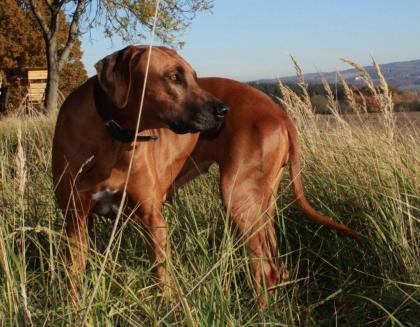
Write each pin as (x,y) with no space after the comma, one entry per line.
(104,108)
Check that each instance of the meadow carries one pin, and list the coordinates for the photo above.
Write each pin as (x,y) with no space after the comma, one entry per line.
(361,170)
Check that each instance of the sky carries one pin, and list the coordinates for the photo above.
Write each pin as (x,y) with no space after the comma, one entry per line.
(252,39)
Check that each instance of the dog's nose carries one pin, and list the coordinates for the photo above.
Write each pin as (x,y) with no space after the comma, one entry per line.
(221,111)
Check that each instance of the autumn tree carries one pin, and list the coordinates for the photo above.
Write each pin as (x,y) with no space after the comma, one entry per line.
(22,46)
(19,47)
(127,18)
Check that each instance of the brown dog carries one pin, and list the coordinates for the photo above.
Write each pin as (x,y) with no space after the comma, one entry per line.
(94,137)
(252,148)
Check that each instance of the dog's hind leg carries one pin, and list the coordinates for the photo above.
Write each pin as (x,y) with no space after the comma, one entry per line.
(251,215)
(250,177)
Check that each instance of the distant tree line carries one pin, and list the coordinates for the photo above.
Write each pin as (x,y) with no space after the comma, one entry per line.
(313,89)
(404,101)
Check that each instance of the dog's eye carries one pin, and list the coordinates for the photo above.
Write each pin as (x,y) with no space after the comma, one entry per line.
(175,77)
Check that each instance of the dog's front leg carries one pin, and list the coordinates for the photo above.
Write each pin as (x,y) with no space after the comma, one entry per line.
(156,230)
(158,245)
(77,249)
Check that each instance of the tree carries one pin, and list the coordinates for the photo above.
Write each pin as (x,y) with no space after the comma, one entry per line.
(122,17)
(18,47)
(74,72)
(22,46)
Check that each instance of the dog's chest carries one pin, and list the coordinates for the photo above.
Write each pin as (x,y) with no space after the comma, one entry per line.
(107,195)
(107,201)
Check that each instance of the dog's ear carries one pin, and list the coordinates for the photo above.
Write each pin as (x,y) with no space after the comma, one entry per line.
(115,73)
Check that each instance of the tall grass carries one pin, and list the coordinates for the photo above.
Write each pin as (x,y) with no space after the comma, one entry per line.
(359,170)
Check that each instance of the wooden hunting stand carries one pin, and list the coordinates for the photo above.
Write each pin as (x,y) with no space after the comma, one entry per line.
(37,82)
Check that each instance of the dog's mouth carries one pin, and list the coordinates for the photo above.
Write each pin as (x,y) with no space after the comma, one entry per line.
(179,127)
(196,126)
(212,133)
(208,120)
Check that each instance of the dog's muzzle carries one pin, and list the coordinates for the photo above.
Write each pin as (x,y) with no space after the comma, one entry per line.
(206,117)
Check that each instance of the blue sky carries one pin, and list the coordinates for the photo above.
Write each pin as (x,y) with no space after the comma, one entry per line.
(251,39)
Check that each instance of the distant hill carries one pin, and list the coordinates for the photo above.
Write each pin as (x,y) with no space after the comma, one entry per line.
(404,75)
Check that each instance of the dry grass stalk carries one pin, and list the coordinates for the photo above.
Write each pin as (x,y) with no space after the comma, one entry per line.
(386,102)
(20,164)
(9,278)
(296,107)
(302,84)
(21,177)
(349,96)
(332,105)
(365,77)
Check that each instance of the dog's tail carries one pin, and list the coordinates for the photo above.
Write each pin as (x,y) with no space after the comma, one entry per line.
(298,188)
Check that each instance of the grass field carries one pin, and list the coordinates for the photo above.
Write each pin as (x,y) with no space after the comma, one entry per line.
(362,171)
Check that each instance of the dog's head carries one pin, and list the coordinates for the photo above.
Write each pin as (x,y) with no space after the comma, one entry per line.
(173,97)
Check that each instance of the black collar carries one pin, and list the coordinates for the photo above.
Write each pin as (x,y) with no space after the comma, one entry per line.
(103,107)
